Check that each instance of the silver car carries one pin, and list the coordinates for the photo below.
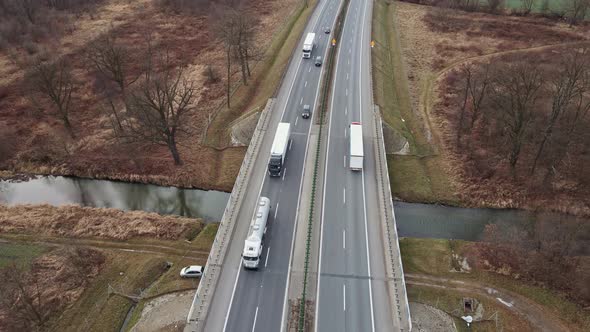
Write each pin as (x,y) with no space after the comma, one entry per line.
(193,271)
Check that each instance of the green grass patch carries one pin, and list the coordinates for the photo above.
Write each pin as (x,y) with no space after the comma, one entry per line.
(420,179)
(21,253)
(433,257)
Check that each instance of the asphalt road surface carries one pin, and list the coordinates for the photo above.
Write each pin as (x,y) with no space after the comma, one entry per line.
(248,300)
(352,292)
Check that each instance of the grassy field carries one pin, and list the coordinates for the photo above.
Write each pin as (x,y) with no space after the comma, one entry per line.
(416,177)
(433,257)
(23,253)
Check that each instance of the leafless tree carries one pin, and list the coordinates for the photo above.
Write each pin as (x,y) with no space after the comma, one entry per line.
(515,91)
(569,83)
(111,61)
(467,73)
(22,299)
(54,82)
(527,6)
(577,10)
(157,110)
(227,27)
(478,88)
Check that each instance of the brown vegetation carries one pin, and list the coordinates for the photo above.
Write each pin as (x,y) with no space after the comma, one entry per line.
(75,221)
(123,32)
(549,253)
(30,298)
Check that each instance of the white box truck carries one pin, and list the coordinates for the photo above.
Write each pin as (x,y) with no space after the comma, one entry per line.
(356,146)
(278,151)
(308,45)
(254,241)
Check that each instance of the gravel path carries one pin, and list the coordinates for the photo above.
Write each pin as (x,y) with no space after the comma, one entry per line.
(426,318)
(167,312)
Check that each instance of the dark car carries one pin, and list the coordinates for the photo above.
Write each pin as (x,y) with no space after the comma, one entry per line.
(318,61)
(306,112)
(327,30)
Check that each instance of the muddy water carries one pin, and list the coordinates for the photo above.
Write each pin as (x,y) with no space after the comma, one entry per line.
(208,205)
(444,222)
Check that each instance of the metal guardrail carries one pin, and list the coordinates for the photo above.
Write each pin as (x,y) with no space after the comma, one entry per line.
(202,300)
(401,299)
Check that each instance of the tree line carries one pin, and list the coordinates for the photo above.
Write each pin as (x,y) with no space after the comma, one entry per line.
(532,115)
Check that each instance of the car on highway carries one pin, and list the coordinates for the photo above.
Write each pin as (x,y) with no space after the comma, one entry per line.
(318,61)
(192,271)
(327,30)
(306,113)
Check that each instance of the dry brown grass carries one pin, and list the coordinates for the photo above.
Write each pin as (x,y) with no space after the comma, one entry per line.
(84,222)
(434,42)
(41,149)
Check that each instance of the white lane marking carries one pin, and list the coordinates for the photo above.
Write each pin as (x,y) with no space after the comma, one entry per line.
(347,91)
(277,209)
(284,172)
(255,316)
(297,118)
(344,195)
(267,254)
(347,76)
(317,307)
(344,161)
(350,50)
(234,290)
(349,59)
(309,71)
(345,110)
(363,181)
(301,102)
(343,297)
(343,239)
(305,85)
(291,141)
(344,132)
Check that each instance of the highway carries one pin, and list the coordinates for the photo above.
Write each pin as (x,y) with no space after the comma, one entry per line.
(352,292)
(257,300)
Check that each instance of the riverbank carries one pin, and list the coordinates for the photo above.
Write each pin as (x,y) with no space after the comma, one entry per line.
(415,59)
(140,255)
(441,272)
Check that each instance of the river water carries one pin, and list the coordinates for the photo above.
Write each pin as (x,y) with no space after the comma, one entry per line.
(58,190)
(413,219)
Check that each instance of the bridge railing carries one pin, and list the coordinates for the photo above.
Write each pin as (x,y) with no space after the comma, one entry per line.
(203,297)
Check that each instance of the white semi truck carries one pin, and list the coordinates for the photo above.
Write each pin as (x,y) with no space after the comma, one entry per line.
(278,151)
(356,146)
(254,241)
(308,45)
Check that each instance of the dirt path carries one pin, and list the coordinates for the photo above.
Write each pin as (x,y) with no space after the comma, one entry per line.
(166,312)
(540,318)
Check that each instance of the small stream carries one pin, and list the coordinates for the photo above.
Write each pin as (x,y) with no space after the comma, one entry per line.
(413,219)
(59,190)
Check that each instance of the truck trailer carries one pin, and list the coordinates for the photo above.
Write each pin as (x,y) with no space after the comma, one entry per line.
(308,45)
(254,241)
(278,151)
(356,146)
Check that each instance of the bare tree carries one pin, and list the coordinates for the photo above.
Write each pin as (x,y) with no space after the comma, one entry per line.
(527,6)
(53,81)
(515,92)
(568,84)
(157,110)
(22,298)
(467,72)
(577,10)
(478,88)
(111,61)
(227,27)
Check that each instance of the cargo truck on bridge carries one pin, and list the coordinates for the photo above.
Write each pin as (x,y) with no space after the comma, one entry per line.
(308,45)
(278,151)
(356,146)
(254,241)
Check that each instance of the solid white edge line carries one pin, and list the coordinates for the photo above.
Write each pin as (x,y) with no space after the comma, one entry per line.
(363,176)
(255,316)
(319,273)
(286,296)
(232,294)
(267,254)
